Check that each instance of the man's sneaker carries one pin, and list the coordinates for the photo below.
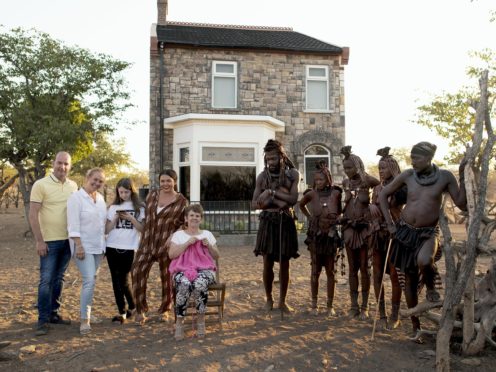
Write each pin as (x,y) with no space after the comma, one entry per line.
(57,319)
(42,329)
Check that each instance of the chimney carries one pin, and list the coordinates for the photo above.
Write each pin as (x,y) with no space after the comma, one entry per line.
(161,12)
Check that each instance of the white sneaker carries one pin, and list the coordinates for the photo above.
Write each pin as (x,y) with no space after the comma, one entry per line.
(84,329)
(95,320)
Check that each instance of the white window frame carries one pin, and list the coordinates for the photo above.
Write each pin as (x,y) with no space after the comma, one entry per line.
(229,163)
(234,75)
(317,78)
(179,148)
(183,163)
(305,157)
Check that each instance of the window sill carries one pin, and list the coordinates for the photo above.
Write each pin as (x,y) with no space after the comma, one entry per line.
(225,109)
(313,111)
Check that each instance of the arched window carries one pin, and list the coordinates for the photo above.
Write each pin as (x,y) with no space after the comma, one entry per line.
(313,154)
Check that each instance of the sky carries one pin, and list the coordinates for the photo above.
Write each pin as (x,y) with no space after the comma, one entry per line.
(401,51)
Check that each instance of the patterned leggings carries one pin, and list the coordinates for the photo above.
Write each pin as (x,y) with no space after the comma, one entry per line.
(198,288)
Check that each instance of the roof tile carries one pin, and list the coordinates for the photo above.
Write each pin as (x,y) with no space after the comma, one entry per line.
(242,37)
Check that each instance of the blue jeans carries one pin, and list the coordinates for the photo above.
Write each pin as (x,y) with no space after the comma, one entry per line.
(89,270)
(52,269)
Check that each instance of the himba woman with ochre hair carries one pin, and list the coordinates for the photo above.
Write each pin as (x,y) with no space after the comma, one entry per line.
(323,239)
(356,228)
(164,214)
(380,239)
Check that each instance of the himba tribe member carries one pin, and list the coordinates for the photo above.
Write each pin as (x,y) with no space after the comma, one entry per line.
(164,214)
(276,192)
(356,228)
(416,233)
(380,238)
(323,238)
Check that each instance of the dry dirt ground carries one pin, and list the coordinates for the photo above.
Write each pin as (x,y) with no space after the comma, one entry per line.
(248,339)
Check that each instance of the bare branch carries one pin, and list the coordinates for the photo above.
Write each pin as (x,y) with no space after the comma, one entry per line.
(421,308)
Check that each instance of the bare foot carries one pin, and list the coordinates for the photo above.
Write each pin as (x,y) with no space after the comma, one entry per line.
(382,323)
(364,314)
(331,313)
(432,295)
(353,313)
(269,305)
(286,309)
(140,319)
(393,324)
(416,336)
(165,317)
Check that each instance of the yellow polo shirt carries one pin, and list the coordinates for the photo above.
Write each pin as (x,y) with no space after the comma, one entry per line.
(52,195)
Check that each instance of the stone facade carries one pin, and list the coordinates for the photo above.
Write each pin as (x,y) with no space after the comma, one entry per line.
(269,83)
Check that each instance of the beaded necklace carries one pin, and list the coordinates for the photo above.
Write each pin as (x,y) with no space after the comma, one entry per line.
(427,179)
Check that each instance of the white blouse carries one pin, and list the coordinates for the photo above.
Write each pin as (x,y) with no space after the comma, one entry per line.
(86,220)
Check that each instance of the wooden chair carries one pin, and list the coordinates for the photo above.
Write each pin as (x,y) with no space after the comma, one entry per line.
(216,297)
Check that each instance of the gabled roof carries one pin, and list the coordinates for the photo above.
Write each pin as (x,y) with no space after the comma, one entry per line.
(242,37)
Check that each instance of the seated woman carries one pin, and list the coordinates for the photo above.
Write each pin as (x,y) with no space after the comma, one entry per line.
(193,253)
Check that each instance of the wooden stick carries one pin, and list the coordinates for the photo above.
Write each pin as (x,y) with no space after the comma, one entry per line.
(380,290)
(280,262)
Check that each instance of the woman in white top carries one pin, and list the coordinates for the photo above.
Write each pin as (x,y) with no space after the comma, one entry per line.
(124,227)
(86,215)
(193,253)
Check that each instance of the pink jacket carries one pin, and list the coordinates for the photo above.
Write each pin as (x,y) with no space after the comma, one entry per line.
(196,257)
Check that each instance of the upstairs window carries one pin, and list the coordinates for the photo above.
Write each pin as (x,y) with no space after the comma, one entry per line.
(317,88)
(224,84)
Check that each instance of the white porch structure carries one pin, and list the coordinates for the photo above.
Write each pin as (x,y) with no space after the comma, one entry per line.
(217,140)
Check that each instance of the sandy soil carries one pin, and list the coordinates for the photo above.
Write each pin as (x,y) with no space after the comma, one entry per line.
(248,339)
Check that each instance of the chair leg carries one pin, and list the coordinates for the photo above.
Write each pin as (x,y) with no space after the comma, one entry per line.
(222,297)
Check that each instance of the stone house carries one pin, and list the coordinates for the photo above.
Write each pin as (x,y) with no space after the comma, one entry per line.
(219,92)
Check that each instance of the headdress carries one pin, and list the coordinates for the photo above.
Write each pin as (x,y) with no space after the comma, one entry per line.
(390,161)
(424,148)
(355,159)
(322,168)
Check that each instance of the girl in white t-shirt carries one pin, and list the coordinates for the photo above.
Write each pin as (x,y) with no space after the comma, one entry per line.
(124,227)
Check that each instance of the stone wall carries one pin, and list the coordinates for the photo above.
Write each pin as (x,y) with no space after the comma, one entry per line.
(269,83)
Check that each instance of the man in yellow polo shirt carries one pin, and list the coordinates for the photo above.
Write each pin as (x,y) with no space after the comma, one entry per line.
(48,219)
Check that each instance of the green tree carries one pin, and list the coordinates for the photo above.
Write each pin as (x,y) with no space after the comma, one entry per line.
(452,115)
(108,154)
(54,97)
